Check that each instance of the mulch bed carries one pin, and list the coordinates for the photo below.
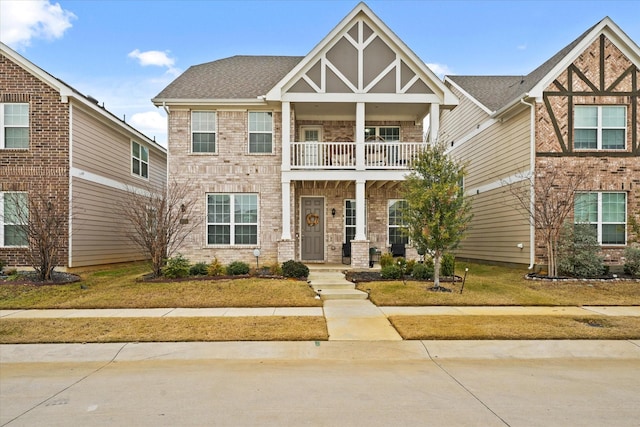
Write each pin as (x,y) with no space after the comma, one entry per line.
(356,276)
(31,278)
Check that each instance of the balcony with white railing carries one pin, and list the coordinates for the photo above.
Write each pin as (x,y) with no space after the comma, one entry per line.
(343,155)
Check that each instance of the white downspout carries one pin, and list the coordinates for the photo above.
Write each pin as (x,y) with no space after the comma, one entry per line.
(532,169)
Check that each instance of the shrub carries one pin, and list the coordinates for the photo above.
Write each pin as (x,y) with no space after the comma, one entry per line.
(422,271)
(177,266)
(275,269)
(198,269)
(408,269)
(448,265)
(391,272)
(215,268)
(386,259)
(294,269)
(579,251)
(2,265)
(632,260)
(238,268)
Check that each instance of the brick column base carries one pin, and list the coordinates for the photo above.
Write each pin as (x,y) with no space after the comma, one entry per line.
(286,250)
(359,254)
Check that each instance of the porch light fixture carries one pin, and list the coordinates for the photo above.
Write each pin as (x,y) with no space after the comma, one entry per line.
(333,212)
(256,253)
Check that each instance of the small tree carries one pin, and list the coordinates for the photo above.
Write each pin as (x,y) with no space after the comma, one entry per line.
(159,220)
(41,220)
(579,252)
(554,191)
(437,213)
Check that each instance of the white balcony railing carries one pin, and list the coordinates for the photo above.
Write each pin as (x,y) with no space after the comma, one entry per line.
(342,155)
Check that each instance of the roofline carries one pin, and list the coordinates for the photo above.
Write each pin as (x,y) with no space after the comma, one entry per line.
(67,92)
(468,95)
(162,102)
(448,98)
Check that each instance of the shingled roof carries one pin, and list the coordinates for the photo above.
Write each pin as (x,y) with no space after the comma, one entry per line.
(496,92)
(237,77)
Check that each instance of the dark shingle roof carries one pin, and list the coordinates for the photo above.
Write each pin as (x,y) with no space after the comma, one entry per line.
(237,77)
(496,92)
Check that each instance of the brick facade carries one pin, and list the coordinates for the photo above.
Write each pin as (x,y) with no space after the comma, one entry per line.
(44,167)
(616,170)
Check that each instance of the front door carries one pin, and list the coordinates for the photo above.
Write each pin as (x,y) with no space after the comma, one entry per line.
(312,235)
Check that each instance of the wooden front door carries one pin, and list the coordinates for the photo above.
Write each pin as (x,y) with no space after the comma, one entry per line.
(312,229)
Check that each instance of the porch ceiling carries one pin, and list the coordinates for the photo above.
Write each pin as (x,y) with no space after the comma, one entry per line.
(344,185)
(373,111)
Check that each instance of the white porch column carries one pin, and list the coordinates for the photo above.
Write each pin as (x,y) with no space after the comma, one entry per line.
(286,136)
(286,209)
(360,210)
(434,122)
(360,137)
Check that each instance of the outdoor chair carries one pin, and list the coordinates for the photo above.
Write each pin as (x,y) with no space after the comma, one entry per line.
(346,253)
(398,250)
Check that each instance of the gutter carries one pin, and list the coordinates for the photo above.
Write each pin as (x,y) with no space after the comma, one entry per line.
(532,166)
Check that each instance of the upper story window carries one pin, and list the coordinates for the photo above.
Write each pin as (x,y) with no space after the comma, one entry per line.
(397,223)
(14,213)
(260,132)
(139,160)
(203,131)
(606,212)
(600,127)
(14,123)
(382,133)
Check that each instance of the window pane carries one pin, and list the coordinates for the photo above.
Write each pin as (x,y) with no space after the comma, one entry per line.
(390,134)
(136,166)
(396,236)
(586,207)
(144,154)
(246,235)
(613,234)
(613,139)
(16,137)
(586,139)
(203,121)
(613,116)
(350,234)
(219,208)
(260,122)
(395,212)
(350,213)
(135,150)
(15,235)
(204,142)
(219,235)
(16,115)
(144,172)
(613,207)
(260,143)
(586,117)
(246,208)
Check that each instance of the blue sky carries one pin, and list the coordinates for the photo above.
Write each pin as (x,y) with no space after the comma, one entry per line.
(123,53)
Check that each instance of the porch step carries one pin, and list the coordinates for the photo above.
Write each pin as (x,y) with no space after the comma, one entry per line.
(342,294)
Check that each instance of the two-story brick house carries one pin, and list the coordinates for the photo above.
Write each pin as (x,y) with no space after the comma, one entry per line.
(61,146)
(298,156)
(577,111)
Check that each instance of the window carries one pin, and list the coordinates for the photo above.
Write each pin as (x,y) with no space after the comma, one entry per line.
(139,160)
(606,212)
(260,132)
(387,134)
(396,222)
(600,127)
(232,219)
(13,219)
(14,124)
(350,220)
(203,131)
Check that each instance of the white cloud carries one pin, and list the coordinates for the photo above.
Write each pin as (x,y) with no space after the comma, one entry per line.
(155,58)
(151,123)
(521,47)
(439,69)
(23,21)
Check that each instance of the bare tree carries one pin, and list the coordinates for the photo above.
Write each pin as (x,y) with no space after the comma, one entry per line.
(554,190)
(160,220)
(41,219)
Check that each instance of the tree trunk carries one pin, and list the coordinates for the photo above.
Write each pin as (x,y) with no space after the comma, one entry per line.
(437,260)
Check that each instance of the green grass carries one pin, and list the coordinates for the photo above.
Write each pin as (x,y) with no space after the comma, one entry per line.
(495,285)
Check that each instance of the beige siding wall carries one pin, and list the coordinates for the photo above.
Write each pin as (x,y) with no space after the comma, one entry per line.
(104,155)
(462,120)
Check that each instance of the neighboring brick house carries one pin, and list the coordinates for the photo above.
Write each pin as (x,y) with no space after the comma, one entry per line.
(577,111)
(298,156)
(60,144)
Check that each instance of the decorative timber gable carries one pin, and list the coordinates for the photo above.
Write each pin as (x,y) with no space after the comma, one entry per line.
(601,75)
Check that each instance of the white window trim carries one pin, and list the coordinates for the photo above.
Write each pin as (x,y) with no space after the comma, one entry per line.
(389,226)
(377,135)
(249,132)
(2,223)
(3,126)
(148,162)
(600,222)
(215,132)
(599,129)
(232,222)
